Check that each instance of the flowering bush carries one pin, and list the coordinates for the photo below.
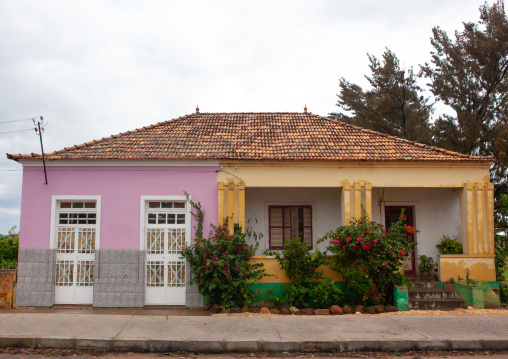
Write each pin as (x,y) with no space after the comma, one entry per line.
(366,253)
(219,264)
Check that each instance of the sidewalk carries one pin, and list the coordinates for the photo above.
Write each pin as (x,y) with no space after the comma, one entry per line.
(164,333)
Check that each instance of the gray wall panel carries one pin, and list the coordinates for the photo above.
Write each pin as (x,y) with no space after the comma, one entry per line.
(193,298)
(117,281)
(36,278)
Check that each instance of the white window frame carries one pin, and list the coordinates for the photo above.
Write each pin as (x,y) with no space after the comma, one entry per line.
(55,209)
(145,199)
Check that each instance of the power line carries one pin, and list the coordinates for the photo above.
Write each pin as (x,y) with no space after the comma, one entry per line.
(25,119)
(143,169)
(3,133)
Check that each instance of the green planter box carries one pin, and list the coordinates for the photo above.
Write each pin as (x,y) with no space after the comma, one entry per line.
(401,298)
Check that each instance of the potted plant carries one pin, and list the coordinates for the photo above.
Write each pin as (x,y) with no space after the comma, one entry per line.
(426,266)
(449,246)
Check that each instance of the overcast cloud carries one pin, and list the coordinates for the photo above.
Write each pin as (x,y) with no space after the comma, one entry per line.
(97,68)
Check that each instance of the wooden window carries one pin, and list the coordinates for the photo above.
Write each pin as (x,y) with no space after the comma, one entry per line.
(288,222)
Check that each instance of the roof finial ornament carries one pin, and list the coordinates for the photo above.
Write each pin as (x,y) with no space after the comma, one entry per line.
(305,109)
(197,108)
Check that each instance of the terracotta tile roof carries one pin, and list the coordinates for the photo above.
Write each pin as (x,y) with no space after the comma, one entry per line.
(254,136)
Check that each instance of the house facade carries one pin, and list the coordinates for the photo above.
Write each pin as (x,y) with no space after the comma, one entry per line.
(107,228)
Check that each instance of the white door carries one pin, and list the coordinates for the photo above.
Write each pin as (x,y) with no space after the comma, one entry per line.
(75,255)
(165,236)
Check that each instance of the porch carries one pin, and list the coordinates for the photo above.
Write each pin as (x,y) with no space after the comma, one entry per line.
(439,202)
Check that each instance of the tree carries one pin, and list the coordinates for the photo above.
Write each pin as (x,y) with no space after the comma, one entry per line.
(395,104)
(470,74)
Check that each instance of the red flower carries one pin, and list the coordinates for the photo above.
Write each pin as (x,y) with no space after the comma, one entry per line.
(243,275)
(206,266)
(348,239)
(214,256)
(356,247)
(402,252)
(384,231)
(359,239)
(199,272)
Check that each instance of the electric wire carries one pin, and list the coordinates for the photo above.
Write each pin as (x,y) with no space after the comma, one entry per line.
(60,169)
(3,133)
(25,119)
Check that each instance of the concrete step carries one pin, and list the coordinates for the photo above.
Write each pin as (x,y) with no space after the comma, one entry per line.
(432,304)
(420,284)
(431,293)
(426,295)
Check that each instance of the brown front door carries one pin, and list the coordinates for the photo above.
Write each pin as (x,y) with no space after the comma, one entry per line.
(392,214)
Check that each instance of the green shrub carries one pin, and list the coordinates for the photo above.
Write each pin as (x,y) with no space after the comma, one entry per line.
(501,252)
(366,254)
(449,246)
(326,294)
(503,294)
(219,264)
(9,245)
(301,268)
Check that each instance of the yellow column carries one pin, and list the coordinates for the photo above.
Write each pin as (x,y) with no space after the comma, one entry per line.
(221,203)
(489,193)
(477,216)
(346,203)
(470,219)
(368,199)
(241,205)
(231,206)
(236,211)
(358,200)
(480,216)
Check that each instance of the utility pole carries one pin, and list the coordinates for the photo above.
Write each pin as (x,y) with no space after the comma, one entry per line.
(39,131)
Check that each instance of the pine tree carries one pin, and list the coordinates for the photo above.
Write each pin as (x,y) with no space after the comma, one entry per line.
(394,105)
(470,74)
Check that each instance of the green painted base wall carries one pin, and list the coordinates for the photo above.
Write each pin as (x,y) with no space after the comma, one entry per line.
(491,294)
(266,292)
(484,295)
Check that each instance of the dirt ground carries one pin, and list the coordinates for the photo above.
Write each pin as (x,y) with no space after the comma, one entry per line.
(17,353)
(459,312)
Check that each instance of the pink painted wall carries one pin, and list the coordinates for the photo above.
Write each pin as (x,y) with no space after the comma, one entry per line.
(121,189)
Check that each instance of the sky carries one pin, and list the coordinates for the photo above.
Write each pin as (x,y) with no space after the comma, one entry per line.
(97,68)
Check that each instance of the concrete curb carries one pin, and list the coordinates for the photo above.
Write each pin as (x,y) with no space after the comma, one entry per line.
(225,346)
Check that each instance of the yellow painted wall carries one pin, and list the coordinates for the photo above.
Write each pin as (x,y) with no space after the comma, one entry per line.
(271,266)
(482,268)
(330,174)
